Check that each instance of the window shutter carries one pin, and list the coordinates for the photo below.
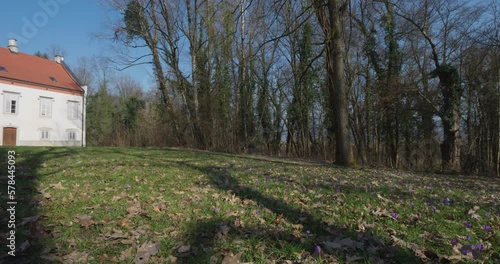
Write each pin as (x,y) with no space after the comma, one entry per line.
(70,110)
(42,107)
(7,103)
(49,107)
(73,110)
(75,113)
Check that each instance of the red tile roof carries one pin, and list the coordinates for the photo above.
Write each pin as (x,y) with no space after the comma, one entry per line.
(33,70)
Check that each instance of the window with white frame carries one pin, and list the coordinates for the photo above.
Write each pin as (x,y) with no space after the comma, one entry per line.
(10,102)
(46,107)
(73,109)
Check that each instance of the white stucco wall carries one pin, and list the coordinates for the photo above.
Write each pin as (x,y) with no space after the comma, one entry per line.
(29,123)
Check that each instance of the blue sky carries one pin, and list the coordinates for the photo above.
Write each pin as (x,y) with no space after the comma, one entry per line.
(68,24)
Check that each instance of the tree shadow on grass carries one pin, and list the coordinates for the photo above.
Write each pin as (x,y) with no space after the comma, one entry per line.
(207,233)
(204,233)
(29,234)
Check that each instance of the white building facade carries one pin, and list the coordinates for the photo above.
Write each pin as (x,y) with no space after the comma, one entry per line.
(41,104)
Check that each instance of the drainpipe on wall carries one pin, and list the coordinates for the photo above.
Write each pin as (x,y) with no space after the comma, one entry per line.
(84,115)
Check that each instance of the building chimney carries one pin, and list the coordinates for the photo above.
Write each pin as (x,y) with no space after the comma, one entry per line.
(13,46)
(59,59)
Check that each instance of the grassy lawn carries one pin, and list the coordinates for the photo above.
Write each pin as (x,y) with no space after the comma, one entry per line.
(126,205)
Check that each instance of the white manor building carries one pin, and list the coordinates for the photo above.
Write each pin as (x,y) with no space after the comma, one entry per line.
(41,102)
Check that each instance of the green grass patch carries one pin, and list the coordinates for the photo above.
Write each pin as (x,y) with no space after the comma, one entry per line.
(125,205)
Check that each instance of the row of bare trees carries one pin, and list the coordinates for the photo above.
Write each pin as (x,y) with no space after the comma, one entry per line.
(406,84)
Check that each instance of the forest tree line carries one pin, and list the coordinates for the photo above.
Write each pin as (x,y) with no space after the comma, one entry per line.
(399,83)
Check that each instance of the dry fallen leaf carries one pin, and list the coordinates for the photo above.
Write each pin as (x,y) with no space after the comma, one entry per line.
(85,220)
(47,196)
(382,212)
(231,258)
(135,209)
(159,207)
(278,220)
(146,250)
(57,186)
(473,210)
(76,257)
(384,200)
(184,249)
(125,222)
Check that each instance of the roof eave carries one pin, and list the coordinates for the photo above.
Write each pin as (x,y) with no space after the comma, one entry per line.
(72,75)
(41,84)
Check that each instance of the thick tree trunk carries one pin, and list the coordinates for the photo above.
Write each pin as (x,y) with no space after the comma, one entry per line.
(450,115)
(330,22)
(337,86)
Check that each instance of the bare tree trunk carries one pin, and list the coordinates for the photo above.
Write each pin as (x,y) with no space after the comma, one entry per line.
(151,40)
(330,15)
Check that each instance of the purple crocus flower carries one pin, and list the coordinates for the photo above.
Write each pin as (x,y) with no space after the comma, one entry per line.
(487,228)
(308,233)
(468,225)
(480,247)
(467,237)
(487,214)
(395,215)
(318,249)
(454,242)
(464,251)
